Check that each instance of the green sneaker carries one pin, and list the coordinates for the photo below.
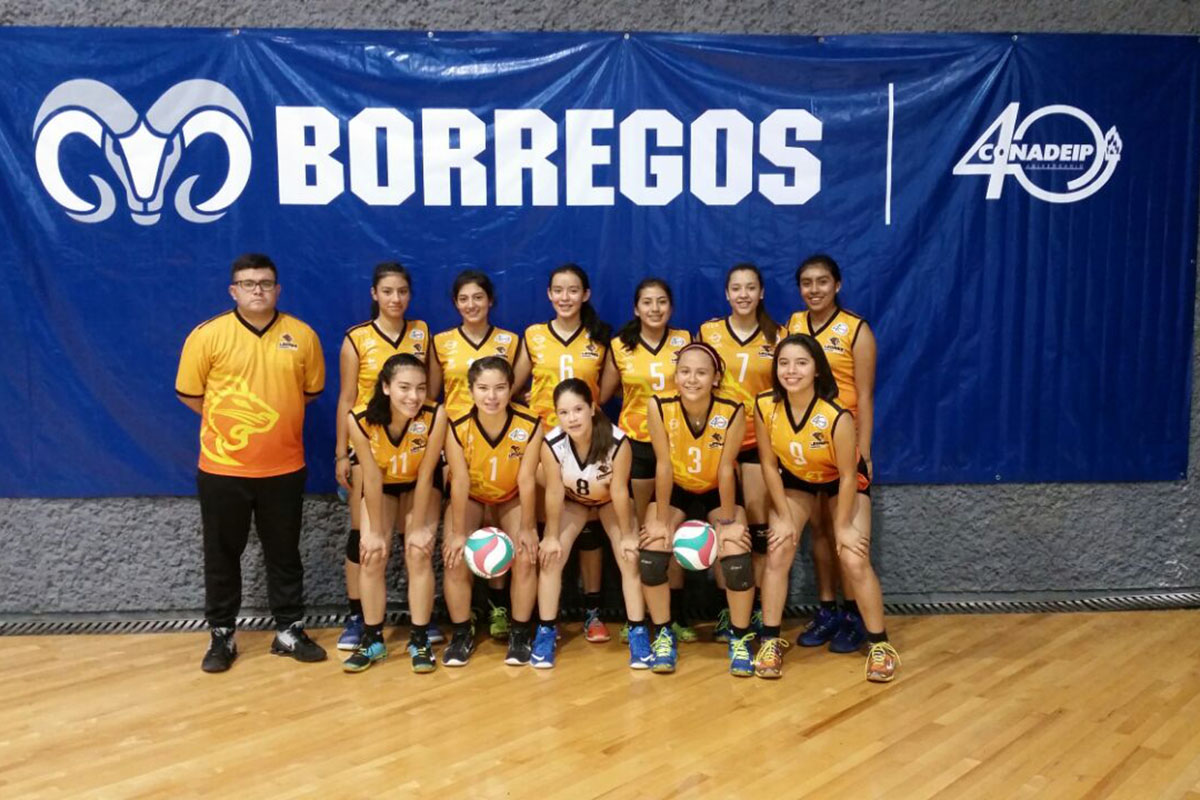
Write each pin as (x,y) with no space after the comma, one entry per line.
(625,633)
(684,633)
(665,653)
(499,626)
(723,630)
(367,653)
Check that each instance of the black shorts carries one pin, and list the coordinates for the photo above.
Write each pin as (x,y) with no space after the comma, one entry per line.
(400,489)
(698,505)
(644,461)
(353,457)
(749,456)
(830,488)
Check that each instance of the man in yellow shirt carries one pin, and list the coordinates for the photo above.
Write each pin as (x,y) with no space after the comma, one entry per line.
(249,373)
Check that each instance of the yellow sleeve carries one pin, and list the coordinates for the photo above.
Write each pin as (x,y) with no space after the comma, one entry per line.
(194,364)
(314,365)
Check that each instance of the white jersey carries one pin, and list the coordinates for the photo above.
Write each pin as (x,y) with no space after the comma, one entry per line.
(587,485)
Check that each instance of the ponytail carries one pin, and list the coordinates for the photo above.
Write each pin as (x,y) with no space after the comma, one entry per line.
(768,326)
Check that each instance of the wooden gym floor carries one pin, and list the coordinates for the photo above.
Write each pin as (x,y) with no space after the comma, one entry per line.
(1006,706)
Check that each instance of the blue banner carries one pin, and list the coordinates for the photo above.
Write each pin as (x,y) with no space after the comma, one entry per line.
(1015,216)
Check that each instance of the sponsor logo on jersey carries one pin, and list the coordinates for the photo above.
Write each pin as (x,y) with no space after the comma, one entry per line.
(677,341)
(841,328)
(591,351)
(419,427)
(450,345)
(503,338)
(143,148)
(719,422)
(714,338)
(286,342)
(1060,145)
(417,334)
(519,435)
(538,339)
(820,421)
(835,345)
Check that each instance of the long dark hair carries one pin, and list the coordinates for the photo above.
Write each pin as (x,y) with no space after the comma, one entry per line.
(768,326)
(631,331)
(820,260)
(379,407)
(490,362)
(382,270)
(597,329)
(602,432)
(824,385)
(476,277)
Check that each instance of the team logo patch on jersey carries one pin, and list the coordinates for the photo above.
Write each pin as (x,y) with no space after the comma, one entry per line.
(765,351)
(419,427)
(234,414)
(515,451)
(714,338)
(418,349)
(590,351)
(538,339)
(841,329)
(820,421)
(835,345)
(501,350)
(718,441)
(519,435)
(677,341)
(417,335)
(503,338)
(418,444)
(818,441)
(719,422)
(603,469)
(286,342)
(450,346)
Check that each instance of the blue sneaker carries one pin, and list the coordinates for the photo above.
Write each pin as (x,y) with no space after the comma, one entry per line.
(850,636)
(665,651)
(741,663)
(821,628)
(352,633)
(544,644)
(366,654)
(723,630)
(640,655)
(435,634)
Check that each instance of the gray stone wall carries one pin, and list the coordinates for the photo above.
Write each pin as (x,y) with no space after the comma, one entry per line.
(143,554)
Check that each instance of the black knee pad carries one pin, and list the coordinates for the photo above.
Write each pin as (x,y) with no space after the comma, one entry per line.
(352,542)
(653,566)
(738,571)
(758,539)
(591,537)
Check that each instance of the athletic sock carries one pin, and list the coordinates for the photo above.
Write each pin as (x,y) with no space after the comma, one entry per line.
(876,638)
(462,627)
(591,601)
(850,607)
(666,625)
(355,606)
(498,597)
(549,623)
(633,623)
(677,607)
(420,634)
(770,631)
(373,632)
(738,633)
(829,605)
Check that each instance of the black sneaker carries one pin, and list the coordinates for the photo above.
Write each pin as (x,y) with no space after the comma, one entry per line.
(293,641)
(422,656)
(222,650)
(462,644)
(520,648)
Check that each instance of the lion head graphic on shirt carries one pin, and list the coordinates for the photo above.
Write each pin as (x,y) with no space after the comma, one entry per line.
(234,414)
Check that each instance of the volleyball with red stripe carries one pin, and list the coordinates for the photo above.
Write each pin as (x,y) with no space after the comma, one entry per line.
(489,552)
(695,545)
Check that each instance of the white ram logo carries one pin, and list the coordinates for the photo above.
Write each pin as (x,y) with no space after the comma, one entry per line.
(143,152)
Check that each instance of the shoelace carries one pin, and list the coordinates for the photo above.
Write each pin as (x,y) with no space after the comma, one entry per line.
(662,644)
(741,647)
(771,649)
(723,619)
(878,654)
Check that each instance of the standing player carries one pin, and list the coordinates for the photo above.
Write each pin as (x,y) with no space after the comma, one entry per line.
(586,461)
(399,436)
(493,452)
(572,345)
(803,430)
(745,340)
(453,353)
(364,350)
(696,437)
(641,361)
(249,373)
(849,346)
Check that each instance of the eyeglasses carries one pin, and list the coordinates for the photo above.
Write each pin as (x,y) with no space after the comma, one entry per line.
(248,286)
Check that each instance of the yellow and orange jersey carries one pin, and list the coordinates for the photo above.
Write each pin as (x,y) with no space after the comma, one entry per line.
(373,347)
(495,464)
(696,452)
(837,337)
(456,353)
(399,458)
(747,364)
(645,372)
(803,446)
(254,384)
(555,359)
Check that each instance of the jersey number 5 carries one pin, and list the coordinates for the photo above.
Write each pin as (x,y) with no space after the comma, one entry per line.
(660,380)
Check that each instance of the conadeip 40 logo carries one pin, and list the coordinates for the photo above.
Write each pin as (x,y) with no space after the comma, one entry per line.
(1069,163)
(142,150)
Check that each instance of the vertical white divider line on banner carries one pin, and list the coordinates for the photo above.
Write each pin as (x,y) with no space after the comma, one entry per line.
(887,197)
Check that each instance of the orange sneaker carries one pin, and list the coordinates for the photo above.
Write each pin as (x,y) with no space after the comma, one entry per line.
(882,661)
(769,661)
(594,629)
